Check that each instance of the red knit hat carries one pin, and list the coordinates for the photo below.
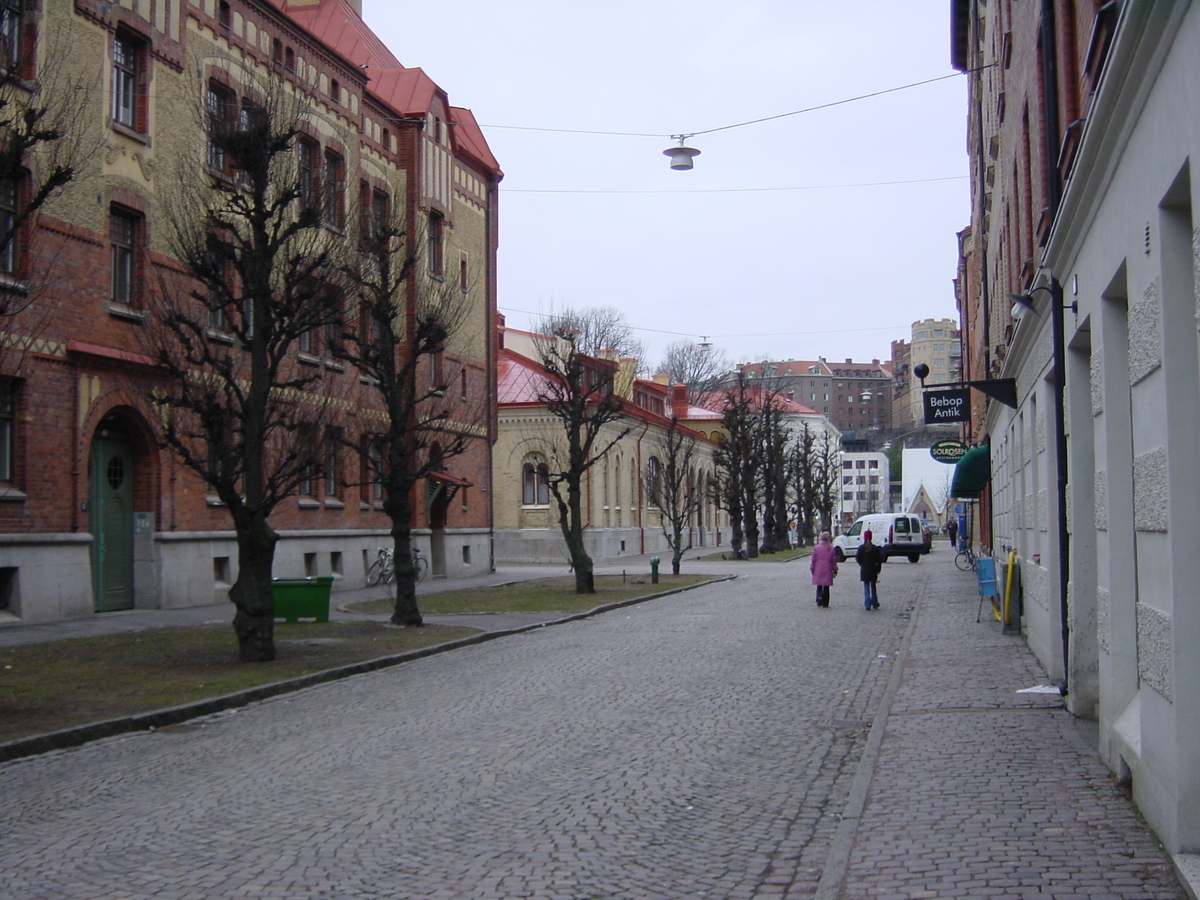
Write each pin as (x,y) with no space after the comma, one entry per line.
(867,535)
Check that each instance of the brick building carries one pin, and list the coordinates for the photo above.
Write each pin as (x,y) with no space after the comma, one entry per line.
(93,515)
(855,397)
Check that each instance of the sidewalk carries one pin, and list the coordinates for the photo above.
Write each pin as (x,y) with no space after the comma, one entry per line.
(977,782)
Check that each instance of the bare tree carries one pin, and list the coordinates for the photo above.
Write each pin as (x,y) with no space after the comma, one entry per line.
(597,330)
(674,490)
(578,392)
(700,367)
(772,443)
(803,467)
(399,343)
(827,466)
(259,281)
(44,147)
(735,461)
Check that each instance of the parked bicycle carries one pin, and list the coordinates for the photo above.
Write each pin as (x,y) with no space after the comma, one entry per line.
(382,570)
(420,564)
(965,559)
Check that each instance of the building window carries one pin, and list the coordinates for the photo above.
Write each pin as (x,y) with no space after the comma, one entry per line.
(224,15)
(436,385)
(306,482)
(464,273)
(10,256)
(435,238)
(308,175)
(123,237)
(335,91)
(126,73)
(535,484)
(10,32)
(289,59)
(8,426)
(653,481)
(333,447)
(220,283)
(221,104)
(334,190)
(375,467)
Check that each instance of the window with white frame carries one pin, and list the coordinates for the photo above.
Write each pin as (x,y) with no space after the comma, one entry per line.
(535,484)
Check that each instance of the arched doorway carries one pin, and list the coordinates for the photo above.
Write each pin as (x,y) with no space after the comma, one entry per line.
(110,515)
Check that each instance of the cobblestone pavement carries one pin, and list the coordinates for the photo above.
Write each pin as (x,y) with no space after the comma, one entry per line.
(733,741)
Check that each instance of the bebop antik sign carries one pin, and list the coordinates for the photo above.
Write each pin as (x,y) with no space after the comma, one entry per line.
(946,406)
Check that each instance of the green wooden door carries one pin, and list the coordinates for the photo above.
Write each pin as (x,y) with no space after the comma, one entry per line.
(110,520)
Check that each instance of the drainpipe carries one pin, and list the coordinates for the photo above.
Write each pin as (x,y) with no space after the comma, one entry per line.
(1058,336)
(641,507)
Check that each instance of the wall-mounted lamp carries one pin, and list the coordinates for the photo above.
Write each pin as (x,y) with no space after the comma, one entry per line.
(681,156)
(1023,304)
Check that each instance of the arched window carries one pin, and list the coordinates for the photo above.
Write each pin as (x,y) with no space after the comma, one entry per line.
(653,481)
(535,484)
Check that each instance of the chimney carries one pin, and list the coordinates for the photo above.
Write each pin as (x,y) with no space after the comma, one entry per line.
(679,401)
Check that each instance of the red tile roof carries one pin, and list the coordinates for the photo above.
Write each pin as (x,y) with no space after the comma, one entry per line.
(408,91)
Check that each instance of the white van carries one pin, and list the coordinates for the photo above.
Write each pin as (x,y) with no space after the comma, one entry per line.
(899,534)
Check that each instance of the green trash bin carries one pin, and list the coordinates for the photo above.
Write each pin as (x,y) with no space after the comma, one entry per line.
(302,598)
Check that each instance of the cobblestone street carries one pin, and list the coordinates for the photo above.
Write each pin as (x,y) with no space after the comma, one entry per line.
(732,741)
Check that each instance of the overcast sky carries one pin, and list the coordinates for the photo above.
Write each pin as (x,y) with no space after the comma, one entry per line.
(825,233)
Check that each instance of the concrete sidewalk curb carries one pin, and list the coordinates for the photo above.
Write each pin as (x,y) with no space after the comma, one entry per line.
(83,734)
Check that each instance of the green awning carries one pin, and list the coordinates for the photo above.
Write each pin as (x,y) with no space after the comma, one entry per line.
(972,473)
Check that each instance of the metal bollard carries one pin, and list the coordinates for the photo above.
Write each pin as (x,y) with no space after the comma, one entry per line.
(654,570)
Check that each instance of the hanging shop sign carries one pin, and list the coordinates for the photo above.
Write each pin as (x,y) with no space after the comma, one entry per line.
(943,407)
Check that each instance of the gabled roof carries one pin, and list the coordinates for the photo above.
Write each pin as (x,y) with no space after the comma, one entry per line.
(407,91)
(757,398)
(519,379)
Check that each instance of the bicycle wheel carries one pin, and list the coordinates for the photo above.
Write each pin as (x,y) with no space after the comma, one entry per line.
(420,566)
(388,573)
(965,560)
(374,573)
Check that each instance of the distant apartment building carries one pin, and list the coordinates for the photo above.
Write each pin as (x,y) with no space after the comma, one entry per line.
(937,344)
(864,486)
(854,396)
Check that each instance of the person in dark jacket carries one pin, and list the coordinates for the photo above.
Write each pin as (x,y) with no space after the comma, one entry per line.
(870,560)
(952,531)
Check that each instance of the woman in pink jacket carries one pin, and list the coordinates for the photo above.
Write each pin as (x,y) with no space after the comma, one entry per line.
(823,565)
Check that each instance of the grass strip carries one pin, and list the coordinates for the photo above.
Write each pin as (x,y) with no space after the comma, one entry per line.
(543,595)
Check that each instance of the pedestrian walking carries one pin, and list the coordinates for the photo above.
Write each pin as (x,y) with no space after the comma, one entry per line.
(952,530)
(870,560)
(823,565)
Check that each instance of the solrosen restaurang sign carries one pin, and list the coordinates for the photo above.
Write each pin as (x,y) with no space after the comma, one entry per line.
(948,451)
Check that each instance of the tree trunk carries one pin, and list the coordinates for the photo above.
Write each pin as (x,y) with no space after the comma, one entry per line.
(252,593)
(406,611)
(396,504)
